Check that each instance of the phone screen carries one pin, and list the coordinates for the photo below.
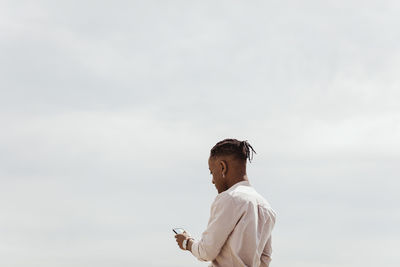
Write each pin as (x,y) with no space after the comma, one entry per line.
(178,230)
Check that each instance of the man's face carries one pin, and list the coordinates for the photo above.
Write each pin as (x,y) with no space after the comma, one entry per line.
(216,173)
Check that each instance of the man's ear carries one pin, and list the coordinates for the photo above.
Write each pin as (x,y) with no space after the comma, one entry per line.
(224,166)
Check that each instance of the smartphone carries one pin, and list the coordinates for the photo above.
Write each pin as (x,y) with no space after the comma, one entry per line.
(178,230)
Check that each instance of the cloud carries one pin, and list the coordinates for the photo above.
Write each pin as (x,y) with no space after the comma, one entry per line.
(108,112)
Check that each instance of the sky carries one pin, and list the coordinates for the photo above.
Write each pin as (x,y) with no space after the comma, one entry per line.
(108,111)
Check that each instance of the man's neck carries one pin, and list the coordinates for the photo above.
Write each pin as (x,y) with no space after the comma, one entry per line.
(239,179)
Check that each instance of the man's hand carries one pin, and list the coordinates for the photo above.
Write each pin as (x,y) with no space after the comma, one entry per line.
(180,237)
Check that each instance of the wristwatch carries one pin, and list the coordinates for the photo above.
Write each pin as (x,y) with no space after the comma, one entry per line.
(184,243)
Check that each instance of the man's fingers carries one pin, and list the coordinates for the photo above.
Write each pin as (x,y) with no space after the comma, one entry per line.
(179,239)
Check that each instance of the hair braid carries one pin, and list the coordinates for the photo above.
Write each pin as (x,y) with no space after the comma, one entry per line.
(240,149)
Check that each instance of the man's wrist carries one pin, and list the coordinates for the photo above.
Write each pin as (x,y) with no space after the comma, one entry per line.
(189,244)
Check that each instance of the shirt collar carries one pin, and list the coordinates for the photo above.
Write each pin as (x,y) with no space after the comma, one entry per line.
(245,183)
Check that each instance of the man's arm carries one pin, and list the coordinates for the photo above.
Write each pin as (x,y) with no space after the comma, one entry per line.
(189,244)
(265,256)
(225,214)
(267,251)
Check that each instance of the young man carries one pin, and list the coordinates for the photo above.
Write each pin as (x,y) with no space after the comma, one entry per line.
(241,220)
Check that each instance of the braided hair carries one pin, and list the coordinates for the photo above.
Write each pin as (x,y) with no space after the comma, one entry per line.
(241,150)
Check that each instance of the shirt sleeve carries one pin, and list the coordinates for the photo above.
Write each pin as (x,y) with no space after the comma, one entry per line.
(225,214)
(267,251)
(266,254)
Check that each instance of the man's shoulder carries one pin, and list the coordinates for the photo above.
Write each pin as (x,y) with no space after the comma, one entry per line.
(239,195)
(248,194)
(229,198)
(241,199)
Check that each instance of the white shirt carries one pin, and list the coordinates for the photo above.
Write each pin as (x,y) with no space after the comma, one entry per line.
(239,229)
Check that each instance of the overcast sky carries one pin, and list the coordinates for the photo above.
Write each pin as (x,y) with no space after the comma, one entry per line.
(108,110)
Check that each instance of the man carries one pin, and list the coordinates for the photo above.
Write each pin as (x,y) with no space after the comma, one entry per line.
(241,220)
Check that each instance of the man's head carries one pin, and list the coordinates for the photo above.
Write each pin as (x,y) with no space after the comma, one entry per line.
(227,162)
